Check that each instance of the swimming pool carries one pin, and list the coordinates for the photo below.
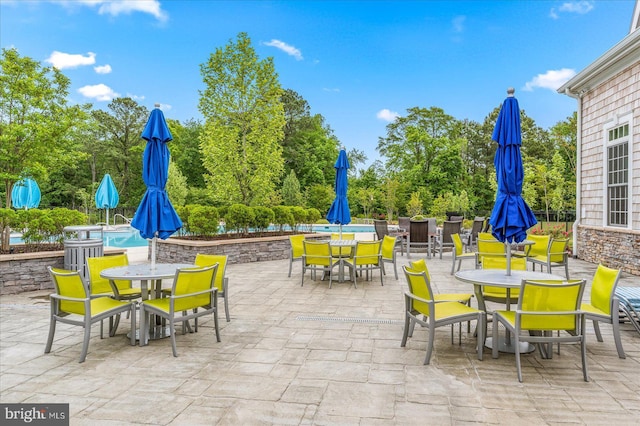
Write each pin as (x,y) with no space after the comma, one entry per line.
(128,237)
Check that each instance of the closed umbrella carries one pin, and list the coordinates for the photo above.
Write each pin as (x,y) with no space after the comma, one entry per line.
(511,216)
(156,217)
(107,195)
(339,211)
(25,194)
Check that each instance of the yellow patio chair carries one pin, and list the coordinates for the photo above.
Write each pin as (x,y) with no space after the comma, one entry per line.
(297,250)
(465,298)
(499,294)
(366,256)
(72,304)
(221,281)
(388,252)
(555,255)
(488,247)
(117,289)
(539,247)
(458,252)
(420,301)
(317,257)
(193,289)
(604,305)
(342,251)
(545,307)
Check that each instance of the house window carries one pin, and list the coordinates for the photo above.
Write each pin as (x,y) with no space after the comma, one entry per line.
(618,175)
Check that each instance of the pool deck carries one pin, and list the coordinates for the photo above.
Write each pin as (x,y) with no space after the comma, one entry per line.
(310,355)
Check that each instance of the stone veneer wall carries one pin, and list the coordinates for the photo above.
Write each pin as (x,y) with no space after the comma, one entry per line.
(175,250)
(28,271)
(611,248)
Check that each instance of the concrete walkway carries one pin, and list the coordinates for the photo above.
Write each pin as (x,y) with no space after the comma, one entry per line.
(309,355)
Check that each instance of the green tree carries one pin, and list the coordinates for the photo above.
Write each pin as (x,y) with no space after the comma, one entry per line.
(320,197)
(244,124)
(176,185)
(390,196)
(34,121)
(122,146)
(185,150)
(291,194)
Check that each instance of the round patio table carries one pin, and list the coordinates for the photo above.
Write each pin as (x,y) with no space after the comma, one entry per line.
(146,273)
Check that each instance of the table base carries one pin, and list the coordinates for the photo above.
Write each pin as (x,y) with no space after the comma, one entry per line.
(509,346)
(157,332)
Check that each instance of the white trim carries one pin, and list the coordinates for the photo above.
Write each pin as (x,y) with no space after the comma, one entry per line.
(618,120)
(635,20)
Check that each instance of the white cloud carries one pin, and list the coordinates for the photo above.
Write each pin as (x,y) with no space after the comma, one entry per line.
(580,7)
(103,69)
(288,49)
(99,92)
(165,107)
(62,60)
(551,80)
(136,97)
(458,23)
(387,115)
(117,7)
(328,89)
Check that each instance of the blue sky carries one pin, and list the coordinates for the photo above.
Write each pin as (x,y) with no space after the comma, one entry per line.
(358,63)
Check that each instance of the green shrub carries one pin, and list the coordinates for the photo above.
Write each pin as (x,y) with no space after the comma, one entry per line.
(299,217)
(62,217)
(313,216)
(263,218)
(203,220)
(282,215)
(239,218)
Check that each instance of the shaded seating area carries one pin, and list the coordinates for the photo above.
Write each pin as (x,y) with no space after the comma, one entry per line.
(72,304)
(548,312)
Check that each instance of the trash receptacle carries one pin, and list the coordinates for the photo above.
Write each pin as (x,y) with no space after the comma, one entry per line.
(80,244)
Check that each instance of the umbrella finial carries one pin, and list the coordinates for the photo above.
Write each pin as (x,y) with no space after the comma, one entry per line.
(510,92)
(157,105)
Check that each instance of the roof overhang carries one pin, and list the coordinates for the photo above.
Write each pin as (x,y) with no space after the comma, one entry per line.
(615,60)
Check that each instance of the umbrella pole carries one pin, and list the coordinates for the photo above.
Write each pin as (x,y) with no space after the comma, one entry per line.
(340,231)
(108,218)
(508,257)
(153,251)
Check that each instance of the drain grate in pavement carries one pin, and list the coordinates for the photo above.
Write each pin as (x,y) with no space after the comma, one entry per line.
(348,319)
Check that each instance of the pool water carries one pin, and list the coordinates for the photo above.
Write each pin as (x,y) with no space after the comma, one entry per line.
(128,237)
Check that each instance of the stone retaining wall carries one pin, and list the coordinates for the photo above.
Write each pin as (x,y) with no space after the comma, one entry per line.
(174,250)
(28,271)
(615,249)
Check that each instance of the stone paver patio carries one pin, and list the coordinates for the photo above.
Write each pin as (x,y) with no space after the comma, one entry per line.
(310,355)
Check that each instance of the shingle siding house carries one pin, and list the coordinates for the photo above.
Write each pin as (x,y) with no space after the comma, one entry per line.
(607,227)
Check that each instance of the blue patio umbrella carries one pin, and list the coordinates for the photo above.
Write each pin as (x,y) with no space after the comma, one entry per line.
(339,212)
(511,216)
(156,217)
(107,195)
(25,194)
